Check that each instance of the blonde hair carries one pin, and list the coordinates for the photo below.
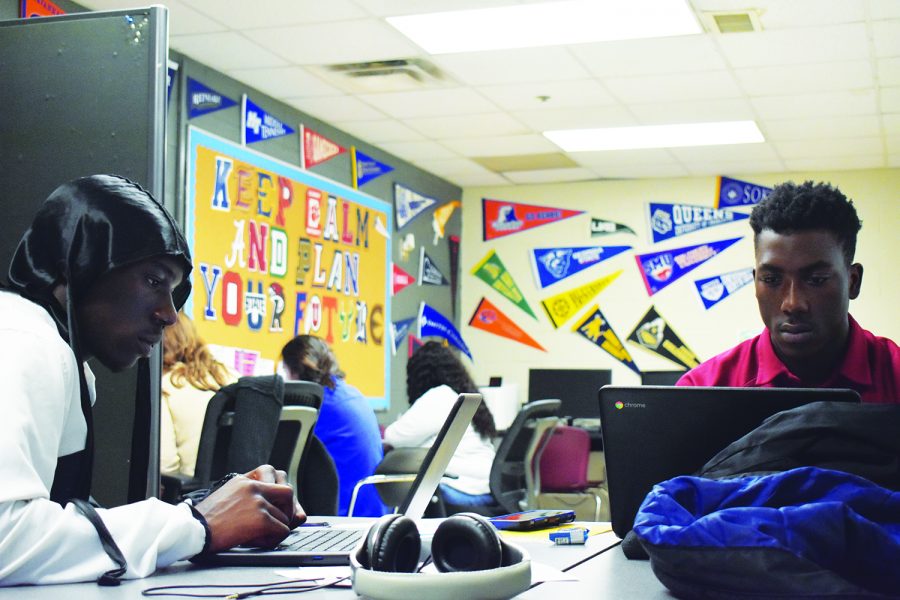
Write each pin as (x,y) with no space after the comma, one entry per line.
(188,359)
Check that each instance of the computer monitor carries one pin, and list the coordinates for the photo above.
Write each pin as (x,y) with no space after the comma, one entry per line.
(577,388)
(660,377)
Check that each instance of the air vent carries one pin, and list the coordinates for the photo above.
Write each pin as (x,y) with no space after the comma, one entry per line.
(395,75)
(733,22)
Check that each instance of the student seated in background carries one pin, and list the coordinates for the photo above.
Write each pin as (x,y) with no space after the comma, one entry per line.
(434,379)
(805,277)
(99,274)
(346,425)
(191,376)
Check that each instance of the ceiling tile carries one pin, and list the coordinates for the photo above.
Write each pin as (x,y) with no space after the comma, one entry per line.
(240,14)
(630,58)
(624,158)
(546,119)
(416,152)
(777,14)
(884,9)
(735,152)
(285,82)
(893,144)
(489,124)
(796,46)
(886,37)
(675,87)
(889,71)
(183,19)
(826,148)
(695,111)
(890,100)
(640,171)
(801,79)
(821,128)
(891,124)
(816,105)
(502,145)
(225,51)
(381,131)
(550,175)
(389,8)
(429,103)
(553,63)
(337,42)
(453,166)
(477,179)
(720,167)
(548,95)
(334,109)
(835,163)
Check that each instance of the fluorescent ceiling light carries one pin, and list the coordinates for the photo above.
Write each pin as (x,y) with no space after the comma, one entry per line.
(657,136)
(547,24)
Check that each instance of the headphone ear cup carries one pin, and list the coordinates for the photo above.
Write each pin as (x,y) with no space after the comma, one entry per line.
(393,545)
(466,542)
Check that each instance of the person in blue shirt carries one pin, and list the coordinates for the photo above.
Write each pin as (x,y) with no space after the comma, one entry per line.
(347,425)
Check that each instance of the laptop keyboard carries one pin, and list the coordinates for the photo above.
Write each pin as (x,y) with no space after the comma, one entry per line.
(322,539)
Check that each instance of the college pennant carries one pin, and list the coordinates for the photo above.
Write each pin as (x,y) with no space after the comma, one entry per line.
(734,192)
(365,168)
(655,335)
(317,148)
(258,125)
(661,269)
(672,220)
(596,328)
(429,274)
(488,317)
(409,204)
(500,218)
(400,279)
(492,271)
(414,344)
(171,72)
(399,329)
(604,227)
(453,247)
(713,290)
(440,217)
(202,99)
(434,324)
(562,307)
(552,265)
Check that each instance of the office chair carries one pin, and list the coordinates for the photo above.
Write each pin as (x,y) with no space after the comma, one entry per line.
(561,466)
(393,479)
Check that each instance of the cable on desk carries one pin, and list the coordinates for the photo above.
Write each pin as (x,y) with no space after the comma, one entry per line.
(263,589)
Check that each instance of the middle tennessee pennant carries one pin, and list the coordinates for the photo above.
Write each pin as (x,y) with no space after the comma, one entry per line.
(661,269)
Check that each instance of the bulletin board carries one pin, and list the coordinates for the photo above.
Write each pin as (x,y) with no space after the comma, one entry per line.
(279,252)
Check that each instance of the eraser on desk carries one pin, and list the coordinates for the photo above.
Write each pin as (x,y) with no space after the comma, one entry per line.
(569,535)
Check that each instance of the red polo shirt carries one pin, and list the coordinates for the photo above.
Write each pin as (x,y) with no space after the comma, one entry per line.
(871,367)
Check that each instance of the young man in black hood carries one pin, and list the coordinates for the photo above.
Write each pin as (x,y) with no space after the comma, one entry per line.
(99,274)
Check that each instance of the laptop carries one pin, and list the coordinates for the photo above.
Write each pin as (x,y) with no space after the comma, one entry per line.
(654,433)
(331,545)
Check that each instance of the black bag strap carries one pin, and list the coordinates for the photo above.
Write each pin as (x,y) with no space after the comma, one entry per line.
(113,576)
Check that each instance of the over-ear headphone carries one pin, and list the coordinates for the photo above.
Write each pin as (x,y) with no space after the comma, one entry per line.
(473,560)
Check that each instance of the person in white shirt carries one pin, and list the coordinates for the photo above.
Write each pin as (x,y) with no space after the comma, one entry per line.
(99,274)
(434,379)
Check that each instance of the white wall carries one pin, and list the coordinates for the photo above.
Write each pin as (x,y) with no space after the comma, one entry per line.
(876,195)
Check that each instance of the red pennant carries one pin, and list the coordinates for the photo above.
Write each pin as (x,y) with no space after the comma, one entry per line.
(500,218)
(317,148)
(488,317)
(400,279)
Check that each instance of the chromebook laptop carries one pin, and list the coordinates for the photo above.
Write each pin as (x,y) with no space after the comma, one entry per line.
(331,545)
(654,433)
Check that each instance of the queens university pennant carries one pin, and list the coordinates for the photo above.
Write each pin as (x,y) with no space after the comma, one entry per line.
(596,328)
(672,220)
(258,125)
(562,307)
(409,204)
(492,271)
(429,274)
(317,148)
(552,265)
(654,334)
(365,168)
(202,99)
(661,269)
(399,329)
(500,218)
(434,324)
(713,290)
(734,192)
(488,317)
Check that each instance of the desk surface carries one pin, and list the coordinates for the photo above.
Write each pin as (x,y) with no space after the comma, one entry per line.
(602,569)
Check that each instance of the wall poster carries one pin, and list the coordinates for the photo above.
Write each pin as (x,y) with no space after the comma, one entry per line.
(279,251)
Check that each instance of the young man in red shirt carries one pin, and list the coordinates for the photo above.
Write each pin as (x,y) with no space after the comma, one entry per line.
(805,277)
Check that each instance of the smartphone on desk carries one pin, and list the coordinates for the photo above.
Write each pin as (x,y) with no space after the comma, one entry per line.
(532,519)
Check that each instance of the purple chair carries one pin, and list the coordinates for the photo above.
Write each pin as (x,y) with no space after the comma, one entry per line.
(562,466)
